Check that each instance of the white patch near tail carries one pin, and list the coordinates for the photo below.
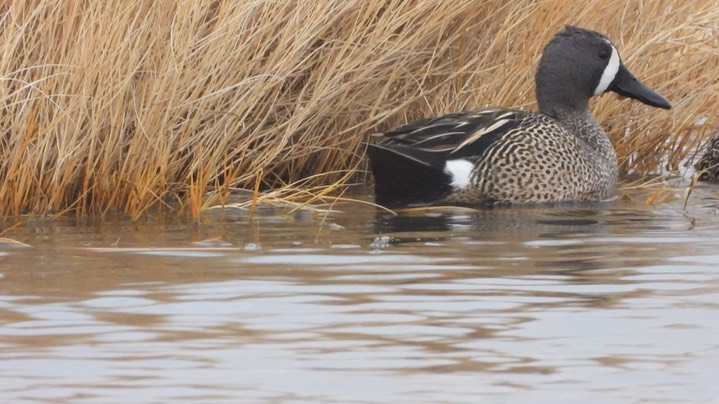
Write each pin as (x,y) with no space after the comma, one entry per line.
(610,72)
(460,171)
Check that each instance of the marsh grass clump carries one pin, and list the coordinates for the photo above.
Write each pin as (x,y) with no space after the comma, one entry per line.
(136,105)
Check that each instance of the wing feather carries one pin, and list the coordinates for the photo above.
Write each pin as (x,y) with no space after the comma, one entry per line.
(455,135)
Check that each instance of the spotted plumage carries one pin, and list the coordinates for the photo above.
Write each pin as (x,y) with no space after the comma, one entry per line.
(708,165)
(505,156)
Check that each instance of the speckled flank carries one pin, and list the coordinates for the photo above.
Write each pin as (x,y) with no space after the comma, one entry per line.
(542,160)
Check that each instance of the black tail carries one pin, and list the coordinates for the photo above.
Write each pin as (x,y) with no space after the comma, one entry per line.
(407,177)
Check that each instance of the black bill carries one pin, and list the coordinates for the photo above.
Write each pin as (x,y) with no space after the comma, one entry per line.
(627,85)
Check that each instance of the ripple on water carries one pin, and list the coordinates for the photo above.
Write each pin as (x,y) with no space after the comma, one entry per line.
(616,304)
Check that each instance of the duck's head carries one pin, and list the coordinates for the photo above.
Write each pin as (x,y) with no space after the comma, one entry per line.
(578,64)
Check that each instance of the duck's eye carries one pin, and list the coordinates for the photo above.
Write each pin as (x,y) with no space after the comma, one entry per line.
(604,54)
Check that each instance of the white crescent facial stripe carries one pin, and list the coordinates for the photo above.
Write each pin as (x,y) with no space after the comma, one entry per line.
(460,171)
(609,72)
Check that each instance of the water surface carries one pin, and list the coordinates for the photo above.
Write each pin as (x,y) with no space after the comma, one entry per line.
(615,302)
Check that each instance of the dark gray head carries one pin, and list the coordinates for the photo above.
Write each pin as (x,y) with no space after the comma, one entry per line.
(578,64)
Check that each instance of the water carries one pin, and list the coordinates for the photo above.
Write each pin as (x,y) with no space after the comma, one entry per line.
(615,302)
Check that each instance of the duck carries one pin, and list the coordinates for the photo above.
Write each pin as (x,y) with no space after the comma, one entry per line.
(498,156)
(708,165)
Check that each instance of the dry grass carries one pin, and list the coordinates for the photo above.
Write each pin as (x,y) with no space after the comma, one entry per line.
(136,104)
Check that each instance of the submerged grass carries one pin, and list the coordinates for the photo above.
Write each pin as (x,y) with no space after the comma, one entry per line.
(132,105)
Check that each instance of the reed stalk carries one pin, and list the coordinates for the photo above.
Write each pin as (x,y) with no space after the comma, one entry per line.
(133,105)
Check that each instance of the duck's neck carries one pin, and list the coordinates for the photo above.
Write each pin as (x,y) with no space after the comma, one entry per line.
(564,98)
(581,123)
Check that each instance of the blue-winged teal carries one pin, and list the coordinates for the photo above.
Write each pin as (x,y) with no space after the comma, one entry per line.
(708,165)
(507,156)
